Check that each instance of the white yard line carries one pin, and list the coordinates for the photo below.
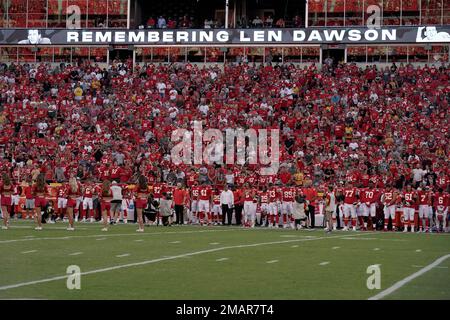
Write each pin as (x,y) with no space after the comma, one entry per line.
(272,261)
(189,254)
(31,251)
(75,253)
(401,283)
(118,235)
(44,228)
(377,239)
(221,259)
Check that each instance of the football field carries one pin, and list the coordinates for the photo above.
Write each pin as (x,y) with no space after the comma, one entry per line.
(190,262)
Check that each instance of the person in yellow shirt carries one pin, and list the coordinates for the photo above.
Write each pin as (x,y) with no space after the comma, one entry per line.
(348,133)
(298,178)
(2,118)
(78,92)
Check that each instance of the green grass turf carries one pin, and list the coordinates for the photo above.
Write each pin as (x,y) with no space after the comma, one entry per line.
(245,274)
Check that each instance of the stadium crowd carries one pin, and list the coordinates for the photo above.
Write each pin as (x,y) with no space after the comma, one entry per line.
(342,127)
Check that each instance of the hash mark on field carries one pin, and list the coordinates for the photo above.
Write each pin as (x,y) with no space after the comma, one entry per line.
(29,237)
(418,250)
(138,240)
(334,248)
(221,259)
(288,236)
(437,267)
(294,246)
(99,239)
(31,251)
(272,261)
(324,263)
(175,242)
(75,253)
(376,249)
(214,243)
(123,255)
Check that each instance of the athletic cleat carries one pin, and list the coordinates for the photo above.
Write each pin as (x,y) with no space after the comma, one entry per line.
(405,230)
(83,220)
(104,229)
(92,220)
(4,228)
(354,228)
(125,221)
(38,228)
(345,228)
(140,230)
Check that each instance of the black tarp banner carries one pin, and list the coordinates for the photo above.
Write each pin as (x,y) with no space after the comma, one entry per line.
(224,37)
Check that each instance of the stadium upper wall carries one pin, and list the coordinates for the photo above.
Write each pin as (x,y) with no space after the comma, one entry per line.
(118,13)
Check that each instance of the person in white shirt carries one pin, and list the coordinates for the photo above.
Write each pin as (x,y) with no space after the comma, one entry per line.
(116,202)
(418,174)
(227,203)
(161,86)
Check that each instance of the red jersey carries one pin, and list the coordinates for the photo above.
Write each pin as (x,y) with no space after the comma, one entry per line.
(88,191)
(195,190)
(442,182)
(29,192)
(191,178)
(264,196)
(240,179)
(274,194)
(116,172)
(205,193)
(252,180)
(409,199)
(249,195)
(350,195)
(368,195)
(6,190)
(62,192)
(441,199)
(158,189)
(263,180)
(424,197)
(389,198)
(288,194)
(216,196)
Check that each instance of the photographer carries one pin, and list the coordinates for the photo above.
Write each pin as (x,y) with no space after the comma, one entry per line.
(151,210)
(165,208)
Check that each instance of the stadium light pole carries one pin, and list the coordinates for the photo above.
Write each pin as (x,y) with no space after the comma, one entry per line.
(227,4)
(306,13)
